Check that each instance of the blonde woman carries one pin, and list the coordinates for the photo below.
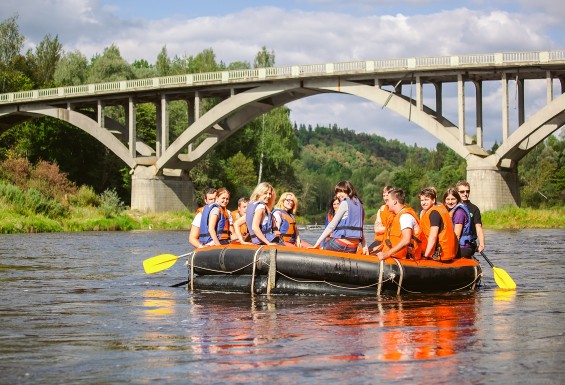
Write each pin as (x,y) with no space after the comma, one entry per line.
(284,214)
(259,218)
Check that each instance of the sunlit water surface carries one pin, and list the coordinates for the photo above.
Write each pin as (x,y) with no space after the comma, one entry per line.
(78,308)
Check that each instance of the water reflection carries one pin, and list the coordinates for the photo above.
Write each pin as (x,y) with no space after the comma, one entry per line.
(253,332)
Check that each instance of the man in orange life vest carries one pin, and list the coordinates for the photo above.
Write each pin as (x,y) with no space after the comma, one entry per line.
(383,219)
(402,235)
(209,197)
(240,212)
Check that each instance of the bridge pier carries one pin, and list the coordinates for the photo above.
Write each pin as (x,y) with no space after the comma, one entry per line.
(160,193)
(492,187)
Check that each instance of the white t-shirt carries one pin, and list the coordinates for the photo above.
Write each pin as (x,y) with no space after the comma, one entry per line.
(197,219)
(262,206)
(407,221)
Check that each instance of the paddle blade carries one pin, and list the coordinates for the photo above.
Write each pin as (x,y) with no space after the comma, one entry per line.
(503,280)
(159,263)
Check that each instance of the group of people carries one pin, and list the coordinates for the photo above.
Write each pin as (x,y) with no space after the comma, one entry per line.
(441,231)
(257,220)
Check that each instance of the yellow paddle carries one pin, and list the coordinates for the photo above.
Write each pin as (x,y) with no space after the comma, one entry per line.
(501,277)
(161,262)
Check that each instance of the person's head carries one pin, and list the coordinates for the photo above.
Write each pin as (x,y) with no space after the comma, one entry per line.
(242,205)
(428,197)
(210,196)
(222,197)
(386,190)
(396,199)
(265,193)
(345,189)
(451,198)
(287,202)
(464,189)
(334,205)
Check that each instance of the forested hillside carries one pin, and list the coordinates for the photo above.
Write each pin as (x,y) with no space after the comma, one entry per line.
(306,160)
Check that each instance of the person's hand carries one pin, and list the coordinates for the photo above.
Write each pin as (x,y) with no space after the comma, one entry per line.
(365,250)
(314,247)
(480,248)
(381,256)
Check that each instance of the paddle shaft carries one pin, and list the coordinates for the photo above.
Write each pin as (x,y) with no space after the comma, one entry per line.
(486,259)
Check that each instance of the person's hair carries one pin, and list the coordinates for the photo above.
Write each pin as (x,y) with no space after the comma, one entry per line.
(397,194)
(262,188)
(429,192)
(454,192)
(346,187)
(222,190)
(285,195)
(462,183)
(387,189)
(211,190)
(331,206)
(242,200)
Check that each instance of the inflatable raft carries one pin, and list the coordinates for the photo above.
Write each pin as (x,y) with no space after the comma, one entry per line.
(291,270)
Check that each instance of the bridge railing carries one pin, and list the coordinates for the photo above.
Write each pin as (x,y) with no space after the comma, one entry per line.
(260,74)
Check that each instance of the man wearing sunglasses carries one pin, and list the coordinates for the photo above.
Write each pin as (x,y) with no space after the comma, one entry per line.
(464,189)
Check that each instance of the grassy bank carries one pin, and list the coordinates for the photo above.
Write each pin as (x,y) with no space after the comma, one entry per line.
(90,219)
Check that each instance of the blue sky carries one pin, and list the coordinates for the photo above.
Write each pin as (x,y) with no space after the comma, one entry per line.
(308,32)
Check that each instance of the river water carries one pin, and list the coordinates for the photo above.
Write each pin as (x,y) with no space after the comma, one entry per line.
(77,308)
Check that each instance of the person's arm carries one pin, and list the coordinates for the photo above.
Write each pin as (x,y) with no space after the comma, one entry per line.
(480,237)
(379,227)
(458,229)
(237,229)
(256,225)
(193,237)
(432,239)
(404,241)
(212,222)
(333,224)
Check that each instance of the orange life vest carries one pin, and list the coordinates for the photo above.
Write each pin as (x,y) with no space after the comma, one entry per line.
(288,227)
(243,228)
(446,244)
(386,219)
(393,235)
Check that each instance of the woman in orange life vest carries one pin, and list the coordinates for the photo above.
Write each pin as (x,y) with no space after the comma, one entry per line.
(383,219)
(209,197)
(461,218)
(402,237)
(258,217)
(334,205)
(216,223)
(284,214)
(346,228)
(438,238)
(240,212)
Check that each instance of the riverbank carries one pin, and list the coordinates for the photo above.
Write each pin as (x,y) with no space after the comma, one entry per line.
(89,219)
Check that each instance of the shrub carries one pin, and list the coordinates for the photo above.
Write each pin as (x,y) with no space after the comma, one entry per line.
(48,179)
(85,197)
(16,171)
(110,203)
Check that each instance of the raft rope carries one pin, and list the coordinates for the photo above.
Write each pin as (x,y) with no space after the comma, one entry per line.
(254,267)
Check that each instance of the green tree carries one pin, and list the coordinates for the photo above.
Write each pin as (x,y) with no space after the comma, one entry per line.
(109,67)
(45,60)
(71,69)
(163,64)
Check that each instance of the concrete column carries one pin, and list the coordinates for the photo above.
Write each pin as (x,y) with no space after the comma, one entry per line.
(505,112)
(479,111)
(492,187)
(461,107)
(161,193)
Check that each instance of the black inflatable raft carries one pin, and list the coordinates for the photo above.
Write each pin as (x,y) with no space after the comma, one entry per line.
(292,270)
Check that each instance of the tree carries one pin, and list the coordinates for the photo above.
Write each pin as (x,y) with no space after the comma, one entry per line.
(163,63)
(71,69)
(45,60)
(264,59)
(11,41)
(109,67)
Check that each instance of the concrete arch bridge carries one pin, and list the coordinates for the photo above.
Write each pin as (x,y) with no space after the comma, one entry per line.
(159,174)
